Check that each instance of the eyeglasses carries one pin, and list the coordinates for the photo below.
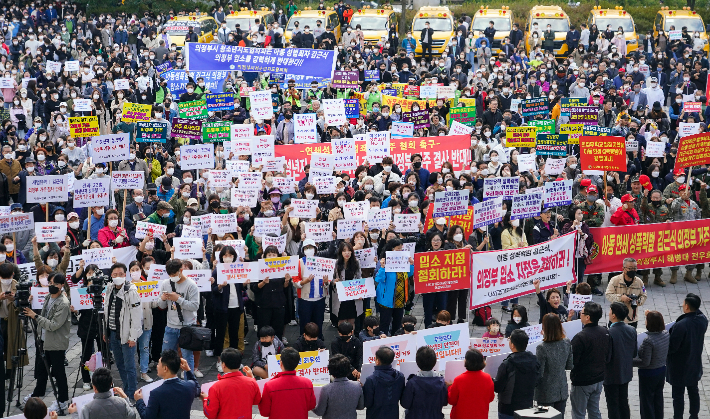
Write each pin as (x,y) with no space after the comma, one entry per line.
(584,314)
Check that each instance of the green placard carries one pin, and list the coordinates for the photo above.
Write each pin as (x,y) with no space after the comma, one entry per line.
(545,126)
(216,132)
(465,115)
(197,109)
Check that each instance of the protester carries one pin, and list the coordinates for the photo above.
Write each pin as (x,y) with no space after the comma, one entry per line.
(384,388)
(233,395)
(518,370)
(341,398)
(619,371)
(555,357)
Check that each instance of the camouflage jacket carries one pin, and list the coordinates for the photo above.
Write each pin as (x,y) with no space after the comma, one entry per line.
(651,214)
(684,211)
(593,214)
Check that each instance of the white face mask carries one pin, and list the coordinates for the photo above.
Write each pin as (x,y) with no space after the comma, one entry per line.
(138,198)
(112,223)
(309,196)
(517,319)
(74,225)
(175,278)
(52,262)
(458,237)
(170,171)
(100,211)
(119,281)
(309,252)
(228,259)
(135,276)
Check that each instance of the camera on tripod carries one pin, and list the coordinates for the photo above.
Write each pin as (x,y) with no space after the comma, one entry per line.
(96,289)
(22,295)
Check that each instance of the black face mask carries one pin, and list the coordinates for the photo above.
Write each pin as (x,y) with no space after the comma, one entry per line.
(53,289)
(417,164)
(214,204)
(656,203)
(265,344)
(631,274)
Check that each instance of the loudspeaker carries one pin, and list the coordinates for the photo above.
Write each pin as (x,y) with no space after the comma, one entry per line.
(540,412)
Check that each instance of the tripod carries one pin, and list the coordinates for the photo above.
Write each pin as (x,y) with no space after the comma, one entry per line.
(16,362)
(97,314)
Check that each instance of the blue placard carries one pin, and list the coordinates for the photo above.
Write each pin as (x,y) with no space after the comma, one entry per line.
(389,92)
(177,80)
(164,68)
(220,101)
(304,82)
(276,78)
(372,75)
(352,108)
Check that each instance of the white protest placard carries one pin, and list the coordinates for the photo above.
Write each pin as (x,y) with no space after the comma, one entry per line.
(319,267)
(491,346)
(554,167)
(525,206)
(264,226)
(121,84)
(445,92)
(220,178)
(191,232)
(111,147)
(397,261)
(201,277)
(655,149)
(320,232)
(404,347)
(313,365)
(237,272)
(242,198)
(577,301)
(126,180)
(91,192)
(82,300)
(203,221)
(632,146)
(344,153)
(278,267)
(51,232)
(427,91)
(305,128)
(334,112)
(526,162)
(279,242)
(303,208)
(488,212)
(241,131)
(224,223)
(356,210)
(448,203)
(261,107)
(199,156)
(275,164)
(539,189)
(47,189)
(402,129)
(500,187)
(407,223)
(449,342)
(558,193)
(262,148)
(458,128)
(238,166)
(39,294)
(249,181)
(505,274)
(143,228)
(324,184)
(675,35)
(355,289)
(321,165)
(157,273)
(686,128)
(346,228)
(241,147)
(82,105)
(379,219)
(534,333)
(55,67)
(409,247)
(367,257)
(237,245)
(71,65)
(378,146)
(187,248)
(7,83)
(102,257)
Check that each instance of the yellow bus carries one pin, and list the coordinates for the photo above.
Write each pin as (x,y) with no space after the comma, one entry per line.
(665,18)
(441,20)
(246,18)
(204,26)
(502,22)
(617,18)
(374,23)
(556,18)
(309,18)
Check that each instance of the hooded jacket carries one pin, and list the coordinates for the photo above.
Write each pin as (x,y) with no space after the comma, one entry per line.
(424,396)
(515,381)
(383,390)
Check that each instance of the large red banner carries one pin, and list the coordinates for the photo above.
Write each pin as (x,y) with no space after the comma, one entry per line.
(447,270)
(434,150)
(693,150)
(652,245)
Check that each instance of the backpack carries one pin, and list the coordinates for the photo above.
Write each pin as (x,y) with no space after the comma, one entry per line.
(481,315)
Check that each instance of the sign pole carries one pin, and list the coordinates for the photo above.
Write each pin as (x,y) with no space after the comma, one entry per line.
(89,230)
(14,240)
(123,213)
(46,211)
(605,200)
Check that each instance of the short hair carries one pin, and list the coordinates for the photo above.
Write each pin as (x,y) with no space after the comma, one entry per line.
(35,408)
(519,339)
(311,330)
(629,260)
(102,380)
(371,321)
(654,321)
(232,358)
(593,310)
(443,316)
(522,311)
(266,331)
(119,266)
(408,318)
(693,301)
(290,358)
(426,358)
(339,366)
(552,328)
(474,360)
(171,360)
(59,278)
(385,354)
(583,289)
(552,291)
(270,249)
(619,310)
(173,266)
(345,328)
(7,270)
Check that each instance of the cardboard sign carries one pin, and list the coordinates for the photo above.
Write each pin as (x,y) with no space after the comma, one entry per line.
(344,153)
(313,365)
(47,189)
(92,192)
(602,153)
(108,148)
(51,232)
(103,258)
(237,272)
(397,261)
(123,180)
(200,156)
(367,257)
(355,289)
(334,112)
(188,248)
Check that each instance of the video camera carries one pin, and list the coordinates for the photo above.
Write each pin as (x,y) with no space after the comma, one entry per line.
(22,295)
(96,289)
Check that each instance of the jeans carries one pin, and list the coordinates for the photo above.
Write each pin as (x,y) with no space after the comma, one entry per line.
(585,399)
(580,267)
(311,312)
(651,396)
(170,341)
(471,57)
(55,359)
(124,357)
(390,317)
(679,403)
(506,303)
(617,400)
(430,301)
(144,350)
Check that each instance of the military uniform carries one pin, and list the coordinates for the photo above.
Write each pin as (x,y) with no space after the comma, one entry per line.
(651,214)
(672,191)
(686,211)
(579,199)
(592,214)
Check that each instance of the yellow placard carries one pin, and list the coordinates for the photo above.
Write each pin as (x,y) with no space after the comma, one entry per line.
(520,136)
(134,112)
(573,130)
(83,126)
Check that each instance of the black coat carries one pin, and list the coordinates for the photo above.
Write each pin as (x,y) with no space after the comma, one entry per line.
(515,380)
(591,348)
(428,31)
(685,351)
(352,348)
(623,351)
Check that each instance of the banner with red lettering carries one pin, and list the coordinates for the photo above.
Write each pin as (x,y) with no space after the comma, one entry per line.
(652,245)
(500,275)
(465,220)
(434,150)
(447,270)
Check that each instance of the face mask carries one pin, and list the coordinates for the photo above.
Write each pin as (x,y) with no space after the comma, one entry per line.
(30,169)
(591,198)
(494,159)
(40,157)
(266,344)
(458,237)
(119,281)
(269,213)
(631,273)
(174,278)
(53,289)
(112,223)
(413,204)
(149,246)
(309,252)
(100,211)
(228,259)
(341,202)
(52,262)
(494,329)
(681,180)
(517,319)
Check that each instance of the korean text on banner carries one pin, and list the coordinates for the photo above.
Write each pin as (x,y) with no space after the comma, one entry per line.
(83,126)
(313,365)
(311,62)
(585,115)
(490,346)
(47,189)
(305,128)
(143,228)
(420,119)
(379,219)
(532,107)
(261,104)
(200,156)
(693,150)
(151,132)
(520,136)
(319,267)
(108,148)
(448,270)
(573,132)
(551,145)
(92,192)
(404,347)
(448,203)
(134,112)
(345,79)
(320,232)
(124,180)
(402,129)
(449,342)
(355,289)
(278,267)
(101,257)
(504,274)
(82,300)
(219,101)
(187,128)
(16,222)
(568,103)
(50,232)
(602,153)
(544,126)
(344,153)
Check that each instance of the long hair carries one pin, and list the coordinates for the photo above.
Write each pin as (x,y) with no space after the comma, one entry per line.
(352,264)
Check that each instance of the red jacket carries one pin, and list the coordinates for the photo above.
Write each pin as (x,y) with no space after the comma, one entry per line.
(231,397)
(287,396)
(107,237)
(625,218)
(470,395)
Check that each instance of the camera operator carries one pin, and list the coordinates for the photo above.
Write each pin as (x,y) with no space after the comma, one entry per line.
(123,318)
(104,405)
(627,288)
(53,325)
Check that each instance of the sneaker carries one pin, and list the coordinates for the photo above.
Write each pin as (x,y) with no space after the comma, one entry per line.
(209,353)
(219,367)
(86,386)
(293,323)
(24,399)
(56,407)
(198,374)
(506,309)
(256,328)
(145,377)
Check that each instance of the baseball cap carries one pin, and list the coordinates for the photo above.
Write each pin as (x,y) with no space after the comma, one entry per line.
(627,198)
